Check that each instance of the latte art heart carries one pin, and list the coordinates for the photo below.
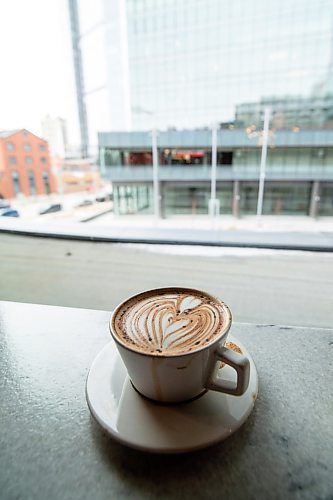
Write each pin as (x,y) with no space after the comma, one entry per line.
(170,322)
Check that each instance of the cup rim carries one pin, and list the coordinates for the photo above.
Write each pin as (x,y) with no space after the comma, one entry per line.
(225,329)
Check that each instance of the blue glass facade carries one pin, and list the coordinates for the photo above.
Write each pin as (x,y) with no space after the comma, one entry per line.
(185,65)
(189,63)
(196,62)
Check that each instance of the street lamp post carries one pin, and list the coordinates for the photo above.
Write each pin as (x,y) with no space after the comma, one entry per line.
(263,162)
(214,204)
(102,162)
(156,190)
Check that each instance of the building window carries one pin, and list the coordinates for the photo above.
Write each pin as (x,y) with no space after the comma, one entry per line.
(16,182)
(224,157)
(12,160)
(10,146)
(26,147)
(41,147)
(28,160)
(181,157)
(43,159)
(32,183)
(46,182)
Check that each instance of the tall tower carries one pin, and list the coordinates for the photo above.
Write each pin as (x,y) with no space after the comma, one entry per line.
(78,70)
(55,132)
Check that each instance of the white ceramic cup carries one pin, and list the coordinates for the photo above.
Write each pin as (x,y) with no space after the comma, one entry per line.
(177,378)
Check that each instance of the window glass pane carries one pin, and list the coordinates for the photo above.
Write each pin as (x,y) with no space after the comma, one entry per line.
(16,182)
(46,182)
(32,184)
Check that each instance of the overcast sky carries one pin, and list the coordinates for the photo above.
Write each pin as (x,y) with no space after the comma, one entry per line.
(36,75)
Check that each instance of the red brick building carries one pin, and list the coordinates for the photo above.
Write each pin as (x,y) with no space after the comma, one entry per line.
(24,165)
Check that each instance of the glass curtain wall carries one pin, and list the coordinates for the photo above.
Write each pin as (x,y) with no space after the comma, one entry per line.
(279,198)
(193,200)
(133,199)
(326,199)
(193,63)
(199,62)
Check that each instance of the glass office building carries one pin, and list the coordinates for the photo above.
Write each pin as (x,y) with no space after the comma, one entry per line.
(187,65)
(194,62)
(299,172)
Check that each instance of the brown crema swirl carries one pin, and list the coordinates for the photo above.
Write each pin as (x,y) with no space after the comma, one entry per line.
(169,322)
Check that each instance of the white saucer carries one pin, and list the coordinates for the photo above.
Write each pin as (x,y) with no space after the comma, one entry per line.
(140,423)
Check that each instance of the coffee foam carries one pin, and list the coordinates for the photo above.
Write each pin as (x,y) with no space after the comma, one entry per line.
(170,321)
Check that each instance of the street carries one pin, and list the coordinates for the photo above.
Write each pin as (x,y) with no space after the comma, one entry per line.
(260,286)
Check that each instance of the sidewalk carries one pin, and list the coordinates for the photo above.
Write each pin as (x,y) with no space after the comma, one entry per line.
(285,233)
(223,223)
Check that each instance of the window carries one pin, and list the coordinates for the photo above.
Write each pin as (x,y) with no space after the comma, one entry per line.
(32,183)
(28,160)
(12,160)
(16,182)
(41,147)
(46,182)
(182,157)
(26,147)
(224,157)
(43,159)
(10,146)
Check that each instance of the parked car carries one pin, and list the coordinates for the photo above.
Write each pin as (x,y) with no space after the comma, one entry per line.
(9,212)
(85,203)
(104,197)
(55,207)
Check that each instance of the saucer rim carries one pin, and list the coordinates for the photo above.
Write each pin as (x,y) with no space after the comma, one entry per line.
(174,450)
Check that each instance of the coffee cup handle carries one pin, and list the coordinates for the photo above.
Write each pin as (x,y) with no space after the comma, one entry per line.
(237,361)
